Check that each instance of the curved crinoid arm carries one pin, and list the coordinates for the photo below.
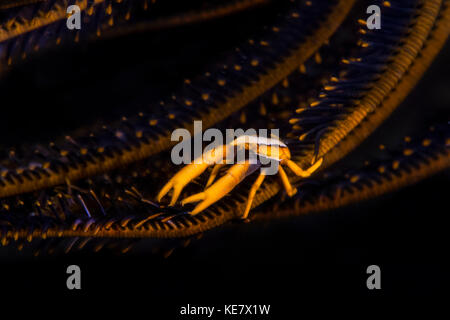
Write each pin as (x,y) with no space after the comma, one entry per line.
(187,18)
(8,4)
(47,13)
(256,66)
(42,25)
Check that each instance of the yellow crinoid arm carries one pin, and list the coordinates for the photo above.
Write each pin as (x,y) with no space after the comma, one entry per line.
(221,187)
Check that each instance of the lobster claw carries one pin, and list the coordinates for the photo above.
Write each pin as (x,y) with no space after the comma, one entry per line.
(221,187)
(180,180)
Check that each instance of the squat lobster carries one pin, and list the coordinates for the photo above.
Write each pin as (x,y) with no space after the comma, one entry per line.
(270,148)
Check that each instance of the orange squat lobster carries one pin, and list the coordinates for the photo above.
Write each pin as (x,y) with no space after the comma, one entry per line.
(269,148)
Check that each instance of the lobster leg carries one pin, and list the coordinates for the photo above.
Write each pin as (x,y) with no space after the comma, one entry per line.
(221,187)
(252,193)
(303,173)
(214,173)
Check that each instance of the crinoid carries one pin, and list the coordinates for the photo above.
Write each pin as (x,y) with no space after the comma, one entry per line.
(89,162)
